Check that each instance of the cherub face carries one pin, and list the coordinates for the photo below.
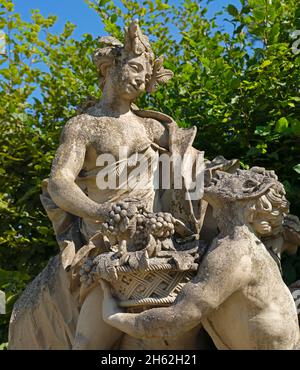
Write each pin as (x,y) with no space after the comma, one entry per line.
(267,214)
(130,77)
(267,223)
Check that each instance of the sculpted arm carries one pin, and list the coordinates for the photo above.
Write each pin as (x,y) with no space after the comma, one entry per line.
(226,269)
(66,166)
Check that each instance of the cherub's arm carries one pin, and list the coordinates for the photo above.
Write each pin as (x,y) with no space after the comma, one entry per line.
(66,166)
(226,269)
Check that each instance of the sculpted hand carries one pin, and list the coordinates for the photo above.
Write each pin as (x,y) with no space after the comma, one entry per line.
(102,212)
(114,315)
(167,322)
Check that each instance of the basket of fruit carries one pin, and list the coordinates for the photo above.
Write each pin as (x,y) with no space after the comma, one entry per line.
(148,268)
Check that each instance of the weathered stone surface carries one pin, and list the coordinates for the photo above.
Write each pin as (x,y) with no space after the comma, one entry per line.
(145,267)
(238,294)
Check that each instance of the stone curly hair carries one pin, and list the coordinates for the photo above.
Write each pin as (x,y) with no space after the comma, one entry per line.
(273,200)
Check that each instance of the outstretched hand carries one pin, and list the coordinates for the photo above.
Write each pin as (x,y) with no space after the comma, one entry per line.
(165,322)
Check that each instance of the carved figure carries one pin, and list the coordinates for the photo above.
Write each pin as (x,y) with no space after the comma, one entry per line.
(143,266)
(238,294)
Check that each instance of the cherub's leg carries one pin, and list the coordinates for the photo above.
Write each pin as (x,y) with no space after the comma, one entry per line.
(92,332)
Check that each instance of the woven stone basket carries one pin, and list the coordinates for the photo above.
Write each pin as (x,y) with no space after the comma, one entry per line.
(155,286)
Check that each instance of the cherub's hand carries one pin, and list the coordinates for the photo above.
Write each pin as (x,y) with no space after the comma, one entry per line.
(165,322)
(126,322)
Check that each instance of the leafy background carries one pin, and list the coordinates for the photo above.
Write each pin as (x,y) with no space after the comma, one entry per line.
(240,88)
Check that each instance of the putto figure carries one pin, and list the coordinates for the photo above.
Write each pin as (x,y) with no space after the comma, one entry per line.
(238,294)
(133,256)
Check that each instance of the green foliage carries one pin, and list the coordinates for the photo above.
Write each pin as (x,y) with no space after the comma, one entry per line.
(43,77)
(291,267)
(240,88)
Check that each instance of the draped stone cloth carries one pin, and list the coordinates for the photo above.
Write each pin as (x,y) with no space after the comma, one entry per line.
(45,315)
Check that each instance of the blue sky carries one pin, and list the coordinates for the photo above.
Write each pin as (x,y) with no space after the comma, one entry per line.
(85,18)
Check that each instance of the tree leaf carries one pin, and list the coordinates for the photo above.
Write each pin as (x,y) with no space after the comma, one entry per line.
(103,2)
(232,10)
(281,125)
(266,63)
(114,18)
(297,168)
(262,130)
(259,13)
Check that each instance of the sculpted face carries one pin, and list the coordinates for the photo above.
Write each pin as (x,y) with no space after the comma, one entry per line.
(130,76)
(257,192)
(268,223)
(268,213)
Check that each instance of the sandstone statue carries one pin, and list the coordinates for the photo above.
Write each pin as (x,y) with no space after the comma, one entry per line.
(147,263)
(238,294)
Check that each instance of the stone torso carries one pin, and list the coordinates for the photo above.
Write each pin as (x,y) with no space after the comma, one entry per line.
(105,135)
(258,316)
(113,136)
(125,141)
(108,134)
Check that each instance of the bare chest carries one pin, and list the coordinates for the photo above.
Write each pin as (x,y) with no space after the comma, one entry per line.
(115,137)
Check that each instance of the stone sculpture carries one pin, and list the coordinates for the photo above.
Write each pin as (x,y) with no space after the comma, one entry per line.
(238,294)
(149,267)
